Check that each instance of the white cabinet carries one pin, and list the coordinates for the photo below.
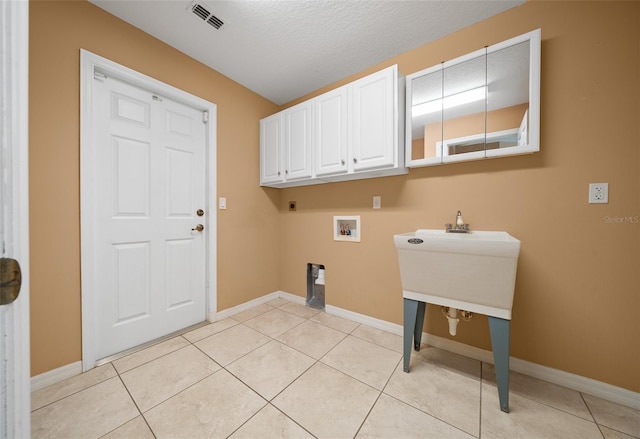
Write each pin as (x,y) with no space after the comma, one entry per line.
(354,133)
(331,135)
(271,149)
(470,107)
(285,145)
(374,127)
(297,142)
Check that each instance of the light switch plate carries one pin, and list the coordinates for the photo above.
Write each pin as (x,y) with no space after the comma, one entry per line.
(377,202)
(222,203)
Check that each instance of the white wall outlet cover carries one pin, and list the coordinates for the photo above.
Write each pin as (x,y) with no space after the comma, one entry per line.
(598,193)
(222,203)
(377,202)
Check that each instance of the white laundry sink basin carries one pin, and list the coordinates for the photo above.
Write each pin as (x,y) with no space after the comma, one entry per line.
(474,271)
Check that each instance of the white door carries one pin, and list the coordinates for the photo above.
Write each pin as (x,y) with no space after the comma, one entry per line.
(149,170)
(15,420)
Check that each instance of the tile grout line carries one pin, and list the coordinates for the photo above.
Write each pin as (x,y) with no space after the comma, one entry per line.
(379,395)
(73,393)
(316,361)
(268,402)
(153,359)
(591,413)
(134,403)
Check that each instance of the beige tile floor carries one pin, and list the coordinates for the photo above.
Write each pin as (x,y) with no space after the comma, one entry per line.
(283,370)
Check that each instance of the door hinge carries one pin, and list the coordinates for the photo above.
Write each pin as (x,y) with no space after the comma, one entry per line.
(205,116)
(99,75)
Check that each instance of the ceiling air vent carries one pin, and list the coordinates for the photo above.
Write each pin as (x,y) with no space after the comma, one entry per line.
(202,12)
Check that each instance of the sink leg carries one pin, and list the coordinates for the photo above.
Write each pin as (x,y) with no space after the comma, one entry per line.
(499,329)
(417,332)
(411,321)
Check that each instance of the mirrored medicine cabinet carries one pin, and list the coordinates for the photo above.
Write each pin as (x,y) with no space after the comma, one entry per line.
(480,105)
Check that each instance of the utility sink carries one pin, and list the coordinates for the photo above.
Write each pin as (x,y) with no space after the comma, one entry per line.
(474,271)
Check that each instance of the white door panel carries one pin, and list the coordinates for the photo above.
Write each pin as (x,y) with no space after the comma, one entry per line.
(150,181)
(131,284)
(131,179)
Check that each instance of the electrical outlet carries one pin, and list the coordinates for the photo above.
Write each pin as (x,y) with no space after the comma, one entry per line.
(377,202)
(598,193)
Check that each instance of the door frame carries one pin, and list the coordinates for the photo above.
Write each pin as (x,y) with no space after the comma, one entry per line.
(88,63)
(15,370)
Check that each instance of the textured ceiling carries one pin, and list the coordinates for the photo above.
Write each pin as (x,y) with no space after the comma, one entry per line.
(284,49)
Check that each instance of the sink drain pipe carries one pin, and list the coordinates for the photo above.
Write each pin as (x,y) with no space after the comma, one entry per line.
(452,317)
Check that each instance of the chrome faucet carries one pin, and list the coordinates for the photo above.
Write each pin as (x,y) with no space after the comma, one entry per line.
(460,226)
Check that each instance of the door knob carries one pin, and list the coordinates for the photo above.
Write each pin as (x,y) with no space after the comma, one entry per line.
(10,280)
(199,212)
(198,228)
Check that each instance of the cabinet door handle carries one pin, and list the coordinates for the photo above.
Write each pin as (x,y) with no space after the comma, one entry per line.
(355,160)
(342,162)
(278,172)
(286,171)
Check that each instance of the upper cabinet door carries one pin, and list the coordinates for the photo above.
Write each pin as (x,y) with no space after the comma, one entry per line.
(331,132)
(271,132)
(297,141)
(374,113)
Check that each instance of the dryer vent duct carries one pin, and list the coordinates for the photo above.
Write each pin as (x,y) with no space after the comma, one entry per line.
(203,12)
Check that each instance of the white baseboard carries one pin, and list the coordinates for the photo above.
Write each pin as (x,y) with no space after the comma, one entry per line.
(361,318)
(576,382)
(572,381)
(245,306)
(292,298)
(56,375)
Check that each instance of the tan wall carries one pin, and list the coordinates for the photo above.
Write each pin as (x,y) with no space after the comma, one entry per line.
(577,299)
(246,235)
(576,302)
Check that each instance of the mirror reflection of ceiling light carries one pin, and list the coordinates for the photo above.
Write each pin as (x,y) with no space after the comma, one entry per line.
(455,100)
